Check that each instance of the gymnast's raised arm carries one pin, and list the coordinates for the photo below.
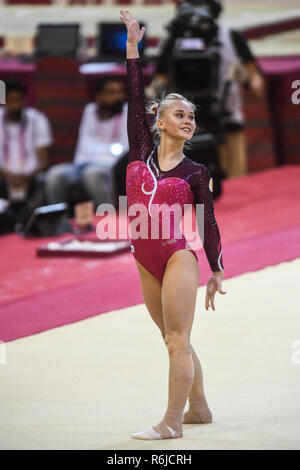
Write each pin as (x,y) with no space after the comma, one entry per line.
(139,135)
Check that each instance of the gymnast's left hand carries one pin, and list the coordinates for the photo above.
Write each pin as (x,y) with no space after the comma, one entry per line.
(214,284)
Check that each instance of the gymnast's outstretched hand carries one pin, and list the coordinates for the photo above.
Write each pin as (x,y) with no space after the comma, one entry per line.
(134,33)
(214,284)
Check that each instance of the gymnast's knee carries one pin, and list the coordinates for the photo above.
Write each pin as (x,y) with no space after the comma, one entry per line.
(176,340)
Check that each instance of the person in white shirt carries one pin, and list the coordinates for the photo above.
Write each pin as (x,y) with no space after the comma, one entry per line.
(25,137)
(102,142)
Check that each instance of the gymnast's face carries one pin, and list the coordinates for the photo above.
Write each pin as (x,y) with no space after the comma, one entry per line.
(178,120)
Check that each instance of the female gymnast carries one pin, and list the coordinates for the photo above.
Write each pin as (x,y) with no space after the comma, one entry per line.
(168,270)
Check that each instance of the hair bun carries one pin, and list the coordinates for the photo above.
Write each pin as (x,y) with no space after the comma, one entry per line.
(156,108)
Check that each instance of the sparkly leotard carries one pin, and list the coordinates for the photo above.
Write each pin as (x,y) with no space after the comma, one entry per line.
(146,184)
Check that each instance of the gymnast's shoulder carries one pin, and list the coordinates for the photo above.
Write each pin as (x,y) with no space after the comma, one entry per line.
(196,167)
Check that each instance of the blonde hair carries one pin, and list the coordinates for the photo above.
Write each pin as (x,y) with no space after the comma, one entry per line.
(158,107)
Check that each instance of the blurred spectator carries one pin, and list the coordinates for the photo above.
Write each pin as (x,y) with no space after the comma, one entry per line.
(238,63)
(25,137)
(102,143)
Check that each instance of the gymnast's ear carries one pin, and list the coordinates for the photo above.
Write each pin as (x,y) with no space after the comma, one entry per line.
(161,125)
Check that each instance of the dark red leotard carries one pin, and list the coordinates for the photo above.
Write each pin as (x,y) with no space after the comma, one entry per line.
(187,183)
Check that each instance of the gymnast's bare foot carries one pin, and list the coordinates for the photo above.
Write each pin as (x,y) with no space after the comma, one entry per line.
(198,412)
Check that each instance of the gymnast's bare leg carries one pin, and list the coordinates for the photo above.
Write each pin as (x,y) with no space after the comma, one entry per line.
(173,313)
(198,411)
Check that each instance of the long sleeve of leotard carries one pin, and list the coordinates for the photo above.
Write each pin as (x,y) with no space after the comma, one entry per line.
(202,189)
(139,134)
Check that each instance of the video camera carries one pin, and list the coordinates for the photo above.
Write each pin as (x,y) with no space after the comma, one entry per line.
(196,18)
(195,63)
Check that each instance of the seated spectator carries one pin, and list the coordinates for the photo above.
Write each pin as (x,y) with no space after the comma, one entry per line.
(25,136)
(102,143)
